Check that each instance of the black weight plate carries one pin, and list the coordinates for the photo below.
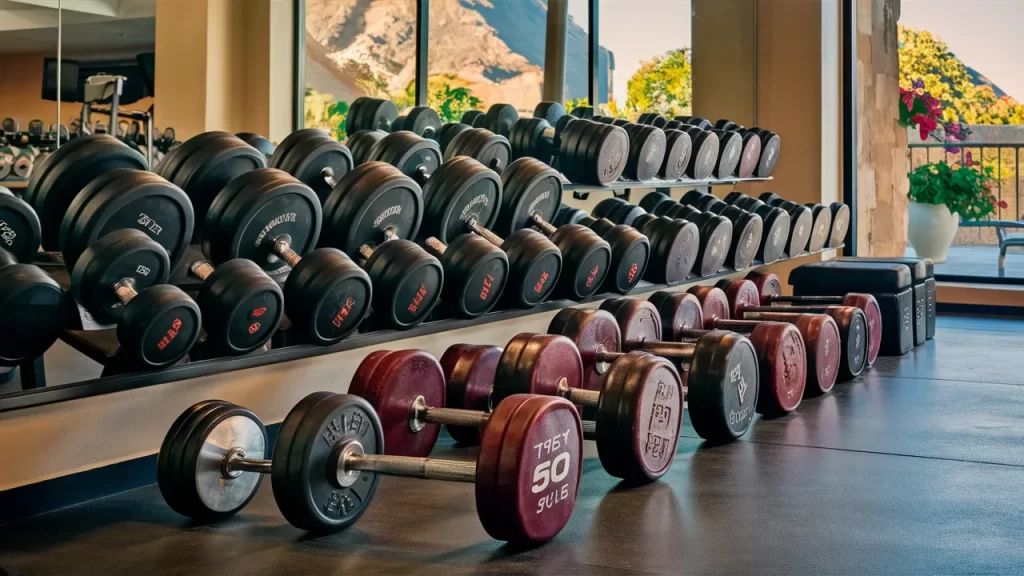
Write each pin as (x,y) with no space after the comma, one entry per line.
(398,124)
(472,117)
(379,114)
(704,154)
(273,205)
(530,187)
(310,498)
(550,111)
(158,327)
(631,251)
(526,138)
(653,200)
(423,121)
(462,188)
(313,159)
(605,208)
(567,149)
(447,133)
(36,309)
(701,123)
(488,148)
(750,156)
(583,111)
(327,295)
(840,224)
(213,244)
(50,191)
(173,486)
(771,147)
(360,144)
(646,152)
(722,386)
(242,307)
(475,273)
(674,247)
(122,255)
(266,147)
(578,141)
(723,124)
(126,198)
(20,232)
(407,283)
(352,118)
(413,155)
(677,154)
(500,118)
(586,261)
(534,267)
(608,159)
(179,154)
(821,225)
(285,435)
(730,151)
(369,199)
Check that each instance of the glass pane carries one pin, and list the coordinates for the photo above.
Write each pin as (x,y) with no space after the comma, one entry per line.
(357,48)
(577,57)
(485,52)
(647,65)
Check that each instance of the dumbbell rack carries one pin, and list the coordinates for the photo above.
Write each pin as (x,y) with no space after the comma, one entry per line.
(582,191)
(101,345)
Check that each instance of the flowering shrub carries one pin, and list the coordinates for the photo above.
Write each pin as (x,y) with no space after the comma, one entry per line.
(924,112)
(964,189)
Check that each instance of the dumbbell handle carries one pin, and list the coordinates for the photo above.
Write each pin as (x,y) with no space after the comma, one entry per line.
(352,459)
(738,326)
(366,250)
(201,269)
(436,246)
(328,174)
(125,290)
(284,251)
(581,396)
(420,414)
(678,351)
(474,225)
(800,299)
(544,225)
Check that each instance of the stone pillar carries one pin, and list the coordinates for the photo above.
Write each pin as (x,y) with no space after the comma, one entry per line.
(882,156)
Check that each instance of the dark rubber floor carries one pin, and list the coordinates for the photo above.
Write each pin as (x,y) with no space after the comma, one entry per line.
(917,467)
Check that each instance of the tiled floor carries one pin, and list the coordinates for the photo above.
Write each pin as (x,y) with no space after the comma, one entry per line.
(916,467)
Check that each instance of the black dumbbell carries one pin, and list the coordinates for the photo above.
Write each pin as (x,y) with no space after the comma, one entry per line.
(704,152)
(314,158)
(746,227)
(647,149)
(538,138)
(697,121)
(840,224)
(771,147)
(631,251)
(370,114)
(414,155)
(714,231)
(213,457)
(586,152)
(550,111)
(264,146)
(776,228)
(120,279)
(532,195)
(360,143)
(490,149)
(372,214)
(473,118)
(465,196)
(448,132)
(269,218)
(56,183)
(32,303)
(499,118)
(421,120)
(652,119)
(204,164)
(674,243)
(802,222)
(750,157)
(821,220)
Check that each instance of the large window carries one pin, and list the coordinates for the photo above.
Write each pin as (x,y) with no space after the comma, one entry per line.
(357,48)
(485,52)
(647,64)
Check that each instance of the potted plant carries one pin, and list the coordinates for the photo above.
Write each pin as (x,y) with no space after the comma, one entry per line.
(940,195)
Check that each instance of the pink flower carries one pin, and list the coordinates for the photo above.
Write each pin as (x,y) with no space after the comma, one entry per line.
(969,160)
(926,124)
(908,99)
(1003,204)
(952,150)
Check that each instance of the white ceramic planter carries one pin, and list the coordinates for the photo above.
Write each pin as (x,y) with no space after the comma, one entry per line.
(931,229)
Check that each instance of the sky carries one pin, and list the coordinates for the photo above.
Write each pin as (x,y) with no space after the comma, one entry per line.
(637,30)
(984,34)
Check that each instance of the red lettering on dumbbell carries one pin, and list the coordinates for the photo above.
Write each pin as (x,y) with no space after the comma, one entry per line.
(171,334)
(632,272)
(343,313)
(254,327)
(259,312)
(593,275)
(539,286)
(488,281)
(418,299)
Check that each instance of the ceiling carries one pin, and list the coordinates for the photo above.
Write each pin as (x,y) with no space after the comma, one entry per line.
(91,28)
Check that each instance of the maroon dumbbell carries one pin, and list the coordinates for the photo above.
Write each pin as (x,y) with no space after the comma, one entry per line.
(770,288)
(819,331)
(782,360)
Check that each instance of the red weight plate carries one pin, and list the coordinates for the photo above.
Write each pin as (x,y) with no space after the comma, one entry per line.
(539,469)
(868,304)
(397,379)
(591,331)
(783,362)
(825,363)
(546,360)
(741,294)
(767,284)
(679,311)
(638,321)
(361,383)
(469,371)
(488,506)
(714,304)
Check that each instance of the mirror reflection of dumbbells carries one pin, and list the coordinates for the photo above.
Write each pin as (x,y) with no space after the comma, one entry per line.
(770,288)
(714,232)
(678,317)
(31,301)
(851,322)
(819,331)
(213,457)
(121,279)
(721,379)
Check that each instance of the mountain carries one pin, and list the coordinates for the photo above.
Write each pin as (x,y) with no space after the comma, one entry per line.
(980,79)
(360,46)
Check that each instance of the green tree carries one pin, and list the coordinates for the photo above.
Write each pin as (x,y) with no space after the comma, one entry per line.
(448,94)
(663,85)
(324,112)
